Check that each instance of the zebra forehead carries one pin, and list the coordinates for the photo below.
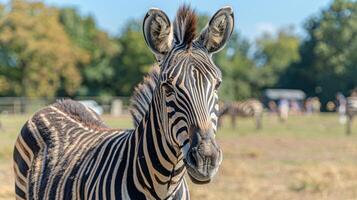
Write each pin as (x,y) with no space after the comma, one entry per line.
(189,63)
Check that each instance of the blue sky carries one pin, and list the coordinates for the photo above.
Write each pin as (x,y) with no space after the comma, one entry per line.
(252,16)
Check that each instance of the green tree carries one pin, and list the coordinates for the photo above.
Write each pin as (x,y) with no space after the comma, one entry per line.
(275,53)
(133,62)
(37,55)
(329,59)
(99,48)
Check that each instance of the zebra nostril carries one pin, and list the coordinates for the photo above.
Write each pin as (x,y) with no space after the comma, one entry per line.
(206,148)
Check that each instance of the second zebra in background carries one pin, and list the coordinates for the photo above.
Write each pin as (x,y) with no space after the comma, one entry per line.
(248,108)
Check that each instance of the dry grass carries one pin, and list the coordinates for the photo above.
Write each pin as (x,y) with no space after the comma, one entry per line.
(305,158)
(283,168)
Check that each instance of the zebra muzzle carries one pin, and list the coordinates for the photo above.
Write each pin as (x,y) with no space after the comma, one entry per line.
(203,157)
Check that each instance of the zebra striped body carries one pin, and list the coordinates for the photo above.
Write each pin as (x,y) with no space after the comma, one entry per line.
(65,151)
(351,112)
(248,108)
(91,162)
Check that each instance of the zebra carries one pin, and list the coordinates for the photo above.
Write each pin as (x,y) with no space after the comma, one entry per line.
(247,108)
(65,151)
(351,111)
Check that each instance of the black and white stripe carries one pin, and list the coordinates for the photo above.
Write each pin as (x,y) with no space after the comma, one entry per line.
(65,151)
(248,108)
(58,157)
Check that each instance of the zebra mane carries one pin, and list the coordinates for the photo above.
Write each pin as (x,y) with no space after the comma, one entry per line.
(185,25)
(142,96)
(80,113)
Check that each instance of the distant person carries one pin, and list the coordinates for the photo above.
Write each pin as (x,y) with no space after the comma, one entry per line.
(309,109)
(283,109)
(316,105)
(341,107)
(351,110)
(295,107)
(272,107)
(354,93)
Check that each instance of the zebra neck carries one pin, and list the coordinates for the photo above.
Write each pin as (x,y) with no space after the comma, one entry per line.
(160,167)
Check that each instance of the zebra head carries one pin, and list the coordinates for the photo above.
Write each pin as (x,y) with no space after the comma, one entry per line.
(188,84)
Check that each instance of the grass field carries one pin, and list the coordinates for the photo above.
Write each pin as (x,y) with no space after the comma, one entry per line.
(308,157)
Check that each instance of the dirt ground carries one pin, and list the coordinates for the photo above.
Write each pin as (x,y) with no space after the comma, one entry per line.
(284,168)
(306,158)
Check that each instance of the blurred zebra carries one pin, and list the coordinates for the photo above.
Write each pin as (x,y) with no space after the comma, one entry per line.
(65,151)
(351,112)
(248,108)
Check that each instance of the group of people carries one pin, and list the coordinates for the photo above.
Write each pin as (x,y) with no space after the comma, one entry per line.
(284,107)
(341,105)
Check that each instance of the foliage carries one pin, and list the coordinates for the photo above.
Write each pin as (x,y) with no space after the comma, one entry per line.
(38,57)
(329,57)
(99,49)
(238,69)
(134,61)
(276,53)
(47,51)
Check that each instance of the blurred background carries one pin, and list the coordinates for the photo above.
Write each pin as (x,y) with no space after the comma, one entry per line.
(288,95)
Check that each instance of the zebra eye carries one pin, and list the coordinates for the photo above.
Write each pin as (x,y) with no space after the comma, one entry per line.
(216,87)
(168,89)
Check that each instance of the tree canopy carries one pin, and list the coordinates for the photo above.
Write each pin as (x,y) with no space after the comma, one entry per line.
(38,56)
(48,51)
(133,62)
(328,60)
(99,48)
(274,55)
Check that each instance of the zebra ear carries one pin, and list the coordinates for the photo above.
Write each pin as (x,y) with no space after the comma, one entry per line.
(157,31)
(218,30)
